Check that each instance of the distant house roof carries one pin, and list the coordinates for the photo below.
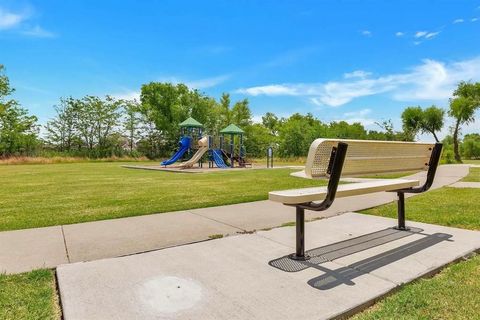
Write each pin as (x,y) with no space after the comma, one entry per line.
(191,123)
(232,129)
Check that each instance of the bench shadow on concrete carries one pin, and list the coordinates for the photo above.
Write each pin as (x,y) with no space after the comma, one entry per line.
(345,275)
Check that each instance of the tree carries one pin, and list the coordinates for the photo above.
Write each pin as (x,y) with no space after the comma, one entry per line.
(18,129)
(131,123)
(62,131)
(271,122)
(471,146)
(416,120)
(412,118)
(433,120)
(465,101)
(97,120)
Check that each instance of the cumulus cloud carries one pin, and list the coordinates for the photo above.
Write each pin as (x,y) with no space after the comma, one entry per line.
(357,74)
(360,116)
(474,19)
(399,34)
(458,21)
(430,80)
(9,20)
(20,22)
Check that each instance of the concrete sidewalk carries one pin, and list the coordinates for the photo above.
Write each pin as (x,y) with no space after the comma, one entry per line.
(231,278)
(462,184)
(24,250)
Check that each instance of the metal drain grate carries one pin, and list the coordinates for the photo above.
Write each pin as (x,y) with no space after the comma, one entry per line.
(341,249)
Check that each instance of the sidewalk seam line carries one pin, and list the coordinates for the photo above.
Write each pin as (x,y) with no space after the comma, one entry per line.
(221,222)
(65,244)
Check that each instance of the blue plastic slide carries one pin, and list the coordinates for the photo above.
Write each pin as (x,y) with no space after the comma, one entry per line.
(184,145)
(218,158)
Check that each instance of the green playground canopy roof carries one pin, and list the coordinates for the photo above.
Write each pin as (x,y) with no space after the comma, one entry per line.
(191,123)
(232,129)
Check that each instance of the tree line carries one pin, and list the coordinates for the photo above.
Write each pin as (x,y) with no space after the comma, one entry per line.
(99,127)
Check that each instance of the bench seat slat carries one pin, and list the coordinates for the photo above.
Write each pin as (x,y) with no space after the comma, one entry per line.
(296,196)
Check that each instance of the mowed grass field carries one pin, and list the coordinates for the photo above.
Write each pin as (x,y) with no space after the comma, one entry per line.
(455,292)
(452,294)
(54,194)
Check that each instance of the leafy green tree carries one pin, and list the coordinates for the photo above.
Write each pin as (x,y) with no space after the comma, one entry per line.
(131,123)
(412,119)
(241,114)
(416,120)
(271,122)
(433,120)
(471,146)
(18,129)
(465,101)
(97,120)
(61,130)
(258,139)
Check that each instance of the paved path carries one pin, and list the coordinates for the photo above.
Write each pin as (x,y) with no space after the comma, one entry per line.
(231,278)
(24,250)
(462,184)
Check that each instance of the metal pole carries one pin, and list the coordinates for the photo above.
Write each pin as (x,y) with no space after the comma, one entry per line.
(401,211)
(300,236)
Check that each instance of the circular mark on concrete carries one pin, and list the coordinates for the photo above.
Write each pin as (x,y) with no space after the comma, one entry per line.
(169,294)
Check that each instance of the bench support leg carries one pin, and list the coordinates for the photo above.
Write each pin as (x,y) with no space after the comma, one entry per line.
(401,211)
(300,237)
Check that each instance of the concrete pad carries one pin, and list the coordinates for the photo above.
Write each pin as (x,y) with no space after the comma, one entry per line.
(230,278)
(462,184)
(223,279)
(113,238)
(24,250)
(250,216)
(350,225)
(266,214)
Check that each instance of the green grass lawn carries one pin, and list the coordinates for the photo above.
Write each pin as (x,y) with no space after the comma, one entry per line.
(455,292)
(452,294)
(29,296)
(474,175)
(446,206)
(54,194)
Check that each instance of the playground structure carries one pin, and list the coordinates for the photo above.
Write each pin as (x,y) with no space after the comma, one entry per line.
(190,129)
(193,146)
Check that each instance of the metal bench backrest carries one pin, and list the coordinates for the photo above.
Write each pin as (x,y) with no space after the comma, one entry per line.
(368,157)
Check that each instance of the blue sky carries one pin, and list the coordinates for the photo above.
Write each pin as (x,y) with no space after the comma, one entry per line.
(340,60)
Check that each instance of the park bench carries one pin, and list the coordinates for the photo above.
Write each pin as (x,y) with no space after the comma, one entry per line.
(332,158)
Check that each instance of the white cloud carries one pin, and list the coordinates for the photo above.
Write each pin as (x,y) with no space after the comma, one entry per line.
(207,82)
(357,74)
(270,90)
(127,95)
(474,19)
(420,34)
(192,84)
(38,32)
(399,34)
(360,116)
(458,21)
(366,33)
(9,20)
(426,34)
(431,80)
(431,35)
